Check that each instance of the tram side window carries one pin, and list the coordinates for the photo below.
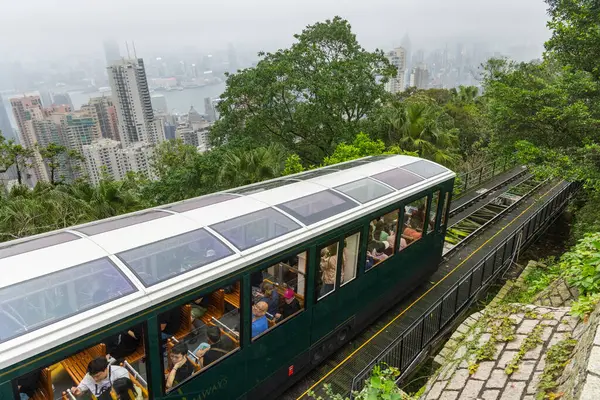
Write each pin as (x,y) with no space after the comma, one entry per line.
(415,215)
(200,333)
(278,293)
(113,366)
(382,239)
(445,208)
(434,209)
(350,258)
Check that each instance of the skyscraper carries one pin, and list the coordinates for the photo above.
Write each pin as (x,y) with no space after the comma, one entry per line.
(5,126)
(209,110)
(131,97)
(106,113)
(397,58)
(112,53)
(419,77)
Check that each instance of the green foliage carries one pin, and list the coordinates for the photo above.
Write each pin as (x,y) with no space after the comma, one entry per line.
(530,343)
(582,264)
(55,156)
(243,167)
(362,146)
(586,214)
(308,98)
(585,305)
(380,386)
(14,154)
(293,165)
(575,35)
(557,357)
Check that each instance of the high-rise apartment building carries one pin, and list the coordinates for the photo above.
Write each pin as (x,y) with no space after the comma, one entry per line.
(194,131)
(209,110)
(5,127)
(106,113)
(26,111)
(419,77)
(397,58)
(131,97)
(159,103)
(103,156)
(82,128)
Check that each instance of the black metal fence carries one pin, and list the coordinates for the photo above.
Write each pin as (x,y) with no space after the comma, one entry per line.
(404,351)
(469,180)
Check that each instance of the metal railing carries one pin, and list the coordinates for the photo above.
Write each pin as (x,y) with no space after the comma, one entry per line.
(404,351)
(471,179)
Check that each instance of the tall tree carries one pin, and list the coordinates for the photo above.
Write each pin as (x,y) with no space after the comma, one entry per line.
(56,156)
(575,35)
(307,98)
(243,167)
(15,154)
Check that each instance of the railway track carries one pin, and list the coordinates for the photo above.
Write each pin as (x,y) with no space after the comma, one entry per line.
(481,214)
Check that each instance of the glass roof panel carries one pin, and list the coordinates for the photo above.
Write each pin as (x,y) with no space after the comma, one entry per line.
(200,202)
(35,303)
(252,229)
(36,244)
(262,186)
(105,226)
(351,164)
(364,190)
(317,207)
(425,168)
(315,173)
(398,178)
(165,259)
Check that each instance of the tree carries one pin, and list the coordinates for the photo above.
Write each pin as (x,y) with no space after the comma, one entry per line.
(575,37)
(243,167)
(14,154)
(307,98)
(362,146)
(55,156)
(293,165)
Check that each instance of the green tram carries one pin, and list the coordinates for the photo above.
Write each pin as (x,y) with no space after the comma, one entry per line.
(233,295)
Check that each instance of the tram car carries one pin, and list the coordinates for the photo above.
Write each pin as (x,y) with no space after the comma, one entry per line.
(233,295)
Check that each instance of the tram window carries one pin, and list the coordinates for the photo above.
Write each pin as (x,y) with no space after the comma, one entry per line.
(278,293)
(350,258)
(434,209)
(201,333)
(382,238)
(87,371)
(445,209)
(328,263)
(414,221)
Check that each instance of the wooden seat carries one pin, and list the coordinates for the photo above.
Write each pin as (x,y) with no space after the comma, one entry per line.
(216,307)
(76,365)
(138,384)
(233,298)
(186,322)
(44,390)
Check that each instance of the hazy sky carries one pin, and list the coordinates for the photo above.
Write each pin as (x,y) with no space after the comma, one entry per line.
(45,27)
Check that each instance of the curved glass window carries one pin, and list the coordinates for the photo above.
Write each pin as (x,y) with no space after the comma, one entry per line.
(165,259)
(35,303)
(200,202)
(364,190)
(397,178)
(105,226)
(9,250)
(317,207)
(425,168)
(255,228)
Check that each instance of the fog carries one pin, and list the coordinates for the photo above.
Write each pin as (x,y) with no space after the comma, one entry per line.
(53,28)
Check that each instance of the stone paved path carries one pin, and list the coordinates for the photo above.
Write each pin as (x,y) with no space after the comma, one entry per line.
(490,380)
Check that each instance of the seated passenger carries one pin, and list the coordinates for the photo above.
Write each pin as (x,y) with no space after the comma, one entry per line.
(380,232)
(170,322)
(218,346)
(271,297)
(27,384)
(411,234)
(124,344)
(199,308)
(259,320)
(125,390)
(290,306)
(182,369)
(100,378)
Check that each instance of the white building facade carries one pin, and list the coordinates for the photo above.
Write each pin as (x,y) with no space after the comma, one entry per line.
(397,58)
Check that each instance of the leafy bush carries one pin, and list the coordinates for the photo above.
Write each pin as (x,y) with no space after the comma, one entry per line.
(585,305)
(582,264)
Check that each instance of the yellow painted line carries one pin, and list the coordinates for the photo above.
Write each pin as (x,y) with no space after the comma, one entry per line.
(423,295)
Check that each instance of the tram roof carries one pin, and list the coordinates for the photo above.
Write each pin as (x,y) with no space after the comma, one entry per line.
(215,229)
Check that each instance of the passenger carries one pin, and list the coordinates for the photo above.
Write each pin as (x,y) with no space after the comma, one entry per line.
(259,320)
(170,322)
(199,308)
(328,268)
(418,217)
(182,369)
(380,232)
(126,390)
(100,378)
(271,297)
(290,305)
(402,243)
(411,234)
(124,344)
(27,384)
(216,349)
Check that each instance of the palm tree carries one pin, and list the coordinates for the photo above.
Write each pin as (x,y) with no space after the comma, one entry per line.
(245,167)
(420,127)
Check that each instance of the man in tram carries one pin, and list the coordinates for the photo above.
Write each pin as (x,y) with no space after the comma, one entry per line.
(182,368)
(99,378)
(219,346)
(259,319)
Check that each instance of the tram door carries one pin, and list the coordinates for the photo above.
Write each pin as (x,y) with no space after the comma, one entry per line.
(335,277)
